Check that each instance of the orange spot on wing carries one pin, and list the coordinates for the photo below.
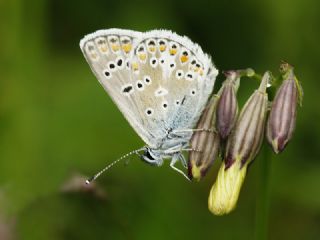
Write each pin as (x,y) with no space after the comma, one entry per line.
(142,56)
(173,51)
(127,48)
(162,48)
(115,47)
(152,49)
(183,59)
(104,49)
(135,66)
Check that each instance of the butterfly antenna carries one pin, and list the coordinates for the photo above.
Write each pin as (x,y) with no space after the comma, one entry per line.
(94,177)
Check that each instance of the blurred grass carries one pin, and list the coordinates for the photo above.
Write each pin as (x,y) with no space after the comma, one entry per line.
(55,119)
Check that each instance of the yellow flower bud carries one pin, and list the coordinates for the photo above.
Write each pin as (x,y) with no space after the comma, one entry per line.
(225,191)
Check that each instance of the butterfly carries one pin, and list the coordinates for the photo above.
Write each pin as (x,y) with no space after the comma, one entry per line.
(160,81)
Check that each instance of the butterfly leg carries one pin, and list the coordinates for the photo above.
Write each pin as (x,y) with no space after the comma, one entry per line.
(174,160)
(176,132)
(183,161)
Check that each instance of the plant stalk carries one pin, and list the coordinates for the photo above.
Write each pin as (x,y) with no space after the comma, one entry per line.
(263,194)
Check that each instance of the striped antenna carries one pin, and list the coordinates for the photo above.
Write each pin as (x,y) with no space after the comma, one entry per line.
(94,177)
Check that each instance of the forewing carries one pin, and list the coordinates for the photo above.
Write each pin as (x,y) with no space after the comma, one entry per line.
(109,54)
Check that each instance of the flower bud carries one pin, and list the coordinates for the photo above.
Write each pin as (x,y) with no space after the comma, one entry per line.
(242,147)
(205,142)
(224,193)
(282,118)
(227,106)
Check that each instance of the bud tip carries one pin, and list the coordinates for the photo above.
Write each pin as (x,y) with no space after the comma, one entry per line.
(225,192)
(195,172)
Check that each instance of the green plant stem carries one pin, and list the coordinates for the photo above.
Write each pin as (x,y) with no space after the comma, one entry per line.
(263,194)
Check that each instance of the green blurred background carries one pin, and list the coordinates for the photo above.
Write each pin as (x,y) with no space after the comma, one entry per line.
(56,122)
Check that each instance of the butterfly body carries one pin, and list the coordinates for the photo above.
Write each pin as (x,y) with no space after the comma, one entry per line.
(159,80)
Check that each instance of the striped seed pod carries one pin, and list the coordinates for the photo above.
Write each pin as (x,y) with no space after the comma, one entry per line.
(205,143)
(242,147)
(282,118)
(227,106)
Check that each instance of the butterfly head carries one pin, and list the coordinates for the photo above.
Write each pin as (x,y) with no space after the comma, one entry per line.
(152,157)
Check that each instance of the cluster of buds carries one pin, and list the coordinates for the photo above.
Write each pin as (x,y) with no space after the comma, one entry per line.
(222,109)
(241,136)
